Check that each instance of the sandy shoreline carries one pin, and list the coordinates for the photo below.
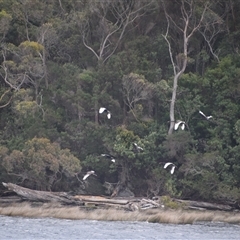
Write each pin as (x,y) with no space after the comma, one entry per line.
(26,209)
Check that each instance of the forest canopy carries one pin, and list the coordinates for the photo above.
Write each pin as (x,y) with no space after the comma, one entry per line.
(151,64)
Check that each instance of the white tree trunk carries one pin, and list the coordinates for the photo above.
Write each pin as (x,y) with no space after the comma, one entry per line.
(187,12)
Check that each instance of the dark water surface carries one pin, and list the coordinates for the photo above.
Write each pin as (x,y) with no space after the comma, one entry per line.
(51,228)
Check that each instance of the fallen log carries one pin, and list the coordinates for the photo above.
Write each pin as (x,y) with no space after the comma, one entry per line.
(42,196)
(204,205)
(98,205)
(150,202)
(10,199)
(97,199)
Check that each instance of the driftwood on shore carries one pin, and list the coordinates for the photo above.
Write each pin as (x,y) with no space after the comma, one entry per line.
(98,199)
(81,200)
(41,196)
(204,205)
(132,204)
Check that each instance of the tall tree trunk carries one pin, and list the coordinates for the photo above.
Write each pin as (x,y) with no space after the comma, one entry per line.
(179,63)
(123,179)
(172,105)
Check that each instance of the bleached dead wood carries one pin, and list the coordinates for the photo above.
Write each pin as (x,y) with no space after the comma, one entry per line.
(205,205)
(98,199)
(150,202)
(98,205)
(42,196)
(10,199)
(132,204)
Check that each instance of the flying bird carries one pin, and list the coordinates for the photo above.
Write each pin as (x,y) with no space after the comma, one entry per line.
(172,168)
(103,109)
(88,174)
(138,148)
(109,156)
(178,123)
(207,117)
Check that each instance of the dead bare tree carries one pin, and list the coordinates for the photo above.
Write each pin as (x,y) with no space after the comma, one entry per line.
(191,20)
(211,27)
(209,33)
(111,21)
(48,38)
(114,18)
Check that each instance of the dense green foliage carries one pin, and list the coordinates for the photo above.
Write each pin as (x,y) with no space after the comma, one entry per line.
(63,60)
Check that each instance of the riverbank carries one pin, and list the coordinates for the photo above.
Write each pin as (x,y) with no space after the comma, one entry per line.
(24,202)
(54,210)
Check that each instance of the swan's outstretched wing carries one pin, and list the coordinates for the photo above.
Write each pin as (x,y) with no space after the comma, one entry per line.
(207,117)
(137,147)
(176,125)
(109,115)
(102,109)
(172,170)
(202,114)
(109,156)
(86,176)
(167,164)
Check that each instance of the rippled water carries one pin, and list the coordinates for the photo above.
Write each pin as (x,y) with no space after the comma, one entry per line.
(50,228)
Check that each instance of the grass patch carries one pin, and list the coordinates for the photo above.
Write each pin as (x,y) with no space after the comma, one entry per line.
(151,215)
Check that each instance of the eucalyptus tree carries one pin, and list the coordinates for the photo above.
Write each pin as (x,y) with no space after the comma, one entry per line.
(22,72)
(40,164)
(213,159)
(23,65)
(23,53)
(136,89)
(5,20)
(192,18)
(5,91)
(112,21)
(122,147)
(103,25)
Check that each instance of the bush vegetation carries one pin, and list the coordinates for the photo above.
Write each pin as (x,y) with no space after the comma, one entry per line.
(63,60)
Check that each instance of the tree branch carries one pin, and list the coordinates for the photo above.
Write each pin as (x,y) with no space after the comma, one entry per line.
(2,106)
